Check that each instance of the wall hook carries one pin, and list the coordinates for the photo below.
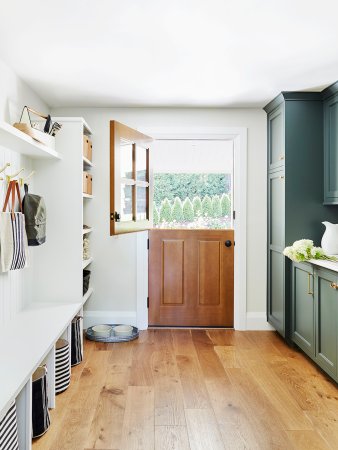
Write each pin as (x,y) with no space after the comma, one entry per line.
(5,167)
(24,180)
(9,177)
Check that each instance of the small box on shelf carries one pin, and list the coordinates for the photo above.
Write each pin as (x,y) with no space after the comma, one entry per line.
(87,148)
(87,183)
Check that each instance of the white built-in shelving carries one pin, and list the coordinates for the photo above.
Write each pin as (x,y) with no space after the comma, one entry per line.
(86,162)
(86,262)
(56,272)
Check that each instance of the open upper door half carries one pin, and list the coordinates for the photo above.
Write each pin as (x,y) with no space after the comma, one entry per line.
(131,186)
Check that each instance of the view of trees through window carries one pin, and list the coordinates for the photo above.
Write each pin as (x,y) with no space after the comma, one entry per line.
(192,200)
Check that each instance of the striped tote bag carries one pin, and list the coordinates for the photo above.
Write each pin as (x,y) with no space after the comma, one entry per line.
(13,237)
(9,430)
(76,356)
(40,413)
(62,366)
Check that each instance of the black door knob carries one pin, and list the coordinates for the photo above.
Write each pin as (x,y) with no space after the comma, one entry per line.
(228,243)
(117,217)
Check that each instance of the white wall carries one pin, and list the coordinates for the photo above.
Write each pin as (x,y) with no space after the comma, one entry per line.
(14,94)
(114,270)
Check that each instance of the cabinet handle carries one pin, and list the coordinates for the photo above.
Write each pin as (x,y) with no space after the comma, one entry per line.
(281,157)
(334,286)
(309,275)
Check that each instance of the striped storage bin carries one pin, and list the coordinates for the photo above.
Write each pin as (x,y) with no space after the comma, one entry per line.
(62,366)
(76,355)
(9,430)
(40,413)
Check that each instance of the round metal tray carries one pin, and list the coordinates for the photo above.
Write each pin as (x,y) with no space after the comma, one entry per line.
(112,338)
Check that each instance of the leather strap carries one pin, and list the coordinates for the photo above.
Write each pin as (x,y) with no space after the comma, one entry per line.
(18,194)
(13,187)
(8,193)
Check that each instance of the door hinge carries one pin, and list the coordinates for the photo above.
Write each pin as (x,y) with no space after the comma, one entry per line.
(147,302)
(147,244)
(234,215)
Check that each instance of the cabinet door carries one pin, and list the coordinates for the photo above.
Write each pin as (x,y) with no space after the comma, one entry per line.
(276,210)
(331,150)
(303,311)
(276,141)
(326,298)
(276,292)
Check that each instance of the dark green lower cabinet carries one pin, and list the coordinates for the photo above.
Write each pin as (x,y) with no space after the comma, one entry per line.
(315,314)
(303,308)
(326,296)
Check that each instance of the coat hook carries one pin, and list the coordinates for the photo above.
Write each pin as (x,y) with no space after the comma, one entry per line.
(23,180)
(5,167)
(9,177)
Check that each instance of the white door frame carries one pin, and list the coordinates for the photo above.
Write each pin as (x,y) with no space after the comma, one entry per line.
(239,137)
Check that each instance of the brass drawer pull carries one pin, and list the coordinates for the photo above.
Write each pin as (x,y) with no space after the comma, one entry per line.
(309,275)
(334,286)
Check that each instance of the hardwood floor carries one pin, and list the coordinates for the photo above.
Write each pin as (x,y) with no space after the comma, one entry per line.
(195,390)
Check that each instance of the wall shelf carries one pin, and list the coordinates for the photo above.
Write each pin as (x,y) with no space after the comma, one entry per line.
(87,195)
(86,262)
(86,162)
(20,142)
(87,230)
(87,294)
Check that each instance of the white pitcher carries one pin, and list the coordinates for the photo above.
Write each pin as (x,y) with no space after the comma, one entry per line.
(330,238)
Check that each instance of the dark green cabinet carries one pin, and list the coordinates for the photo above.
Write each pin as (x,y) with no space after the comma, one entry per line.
(303,307)
(315,314)
(295,125)
(326,296)
(331,149)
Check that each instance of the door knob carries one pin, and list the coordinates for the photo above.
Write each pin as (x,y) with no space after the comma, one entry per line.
(228,243)
(117,217)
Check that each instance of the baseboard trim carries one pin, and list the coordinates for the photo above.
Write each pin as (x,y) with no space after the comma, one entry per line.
(257,321)
(91,318)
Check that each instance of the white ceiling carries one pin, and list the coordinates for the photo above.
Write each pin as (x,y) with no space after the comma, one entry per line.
(218,53)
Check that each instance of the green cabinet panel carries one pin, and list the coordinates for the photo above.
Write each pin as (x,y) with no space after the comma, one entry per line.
(331,150)
(276,209)
(303,307)
(326,296)
(276,297)
(276,137)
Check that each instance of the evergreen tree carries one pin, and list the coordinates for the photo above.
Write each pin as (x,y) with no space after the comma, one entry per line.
(165,211)
(156,215)
(226,205)
(197,204)
(216,207)
(177,210)
(188,210)
(206,206)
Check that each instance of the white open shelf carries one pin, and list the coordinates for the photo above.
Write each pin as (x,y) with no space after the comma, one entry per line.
(87,195)
(87,294)
(27,341)
(20,142)
(86,262)
(87,230)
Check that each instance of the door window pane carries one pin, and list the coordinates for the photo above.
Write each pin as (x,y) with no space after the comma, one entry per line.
(126,159)
(141,203)
(126,202)
(141,164)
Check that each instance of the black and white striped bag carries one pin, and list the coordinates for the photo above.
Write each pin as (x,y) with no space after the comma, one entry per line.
(9,430)
(76,356)
(40,413)
(13,237)
(62,366)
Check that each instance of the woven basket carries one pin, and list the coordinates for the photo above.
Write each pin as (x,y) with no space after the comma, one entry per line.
(76,355)
(40,413)
(62,366)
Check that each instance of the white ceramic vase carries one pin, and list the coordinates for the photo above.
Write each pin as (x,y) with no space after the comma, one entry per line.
(330,238)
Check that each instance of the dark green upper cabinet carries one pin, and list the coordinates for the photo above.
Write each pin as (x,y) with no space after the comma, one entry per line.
(276,138)
(330,146)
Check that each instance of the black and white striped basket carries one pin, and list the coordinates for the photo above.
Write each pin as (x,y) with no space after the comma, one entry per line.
(40,413)
(76,355)
(62,366)
(9,430)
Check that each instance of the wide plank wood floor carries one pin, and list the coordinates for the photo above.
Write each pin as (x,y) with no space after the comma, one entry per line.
(195,390)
